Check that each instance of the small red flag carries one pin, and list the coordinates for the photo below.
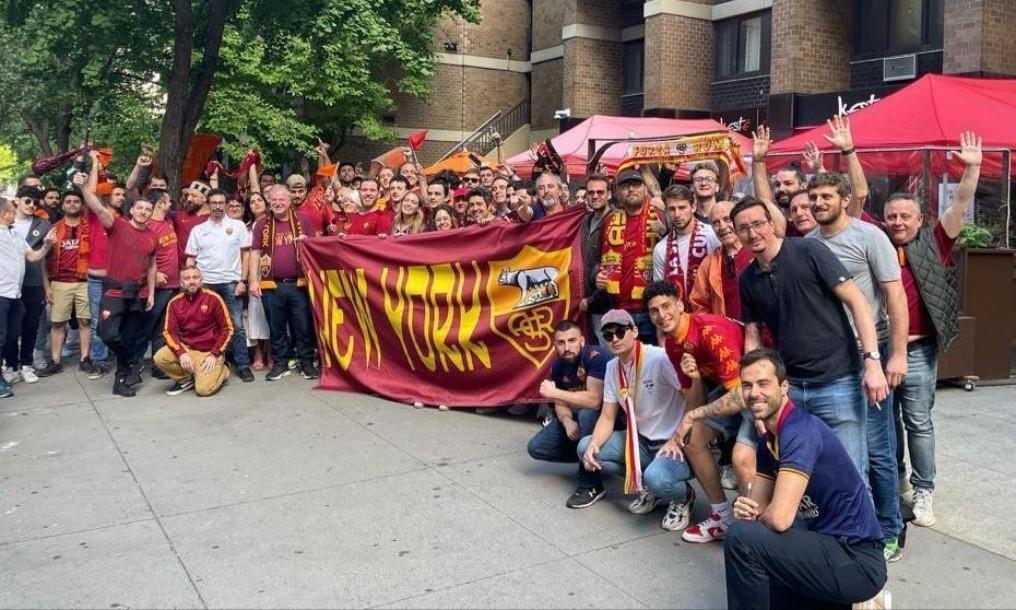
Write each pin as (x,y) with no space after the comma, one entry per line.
(416,139)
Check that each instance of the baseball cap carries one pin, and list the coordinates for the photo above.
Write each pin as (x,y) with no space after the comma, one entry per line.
(460,193)
(295,180)
(616,316)
(629,175)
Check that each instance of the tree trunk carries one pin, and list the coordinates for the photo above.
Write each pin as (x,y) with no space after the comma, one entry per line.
(185,100)
(63,129)
(40,133)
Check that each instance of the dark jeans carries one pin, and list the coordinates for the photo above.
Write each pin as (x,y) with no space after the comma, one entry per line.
(798,569)
(288,308)
(33,304)
(11,312)
(121,329)
(551,444)
(235,306)
(152,325)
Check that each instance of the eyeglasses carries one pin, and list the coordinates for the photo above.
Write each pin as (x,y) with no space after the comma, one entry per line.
(473,180)
(618,331)
(596,192)
(749,228)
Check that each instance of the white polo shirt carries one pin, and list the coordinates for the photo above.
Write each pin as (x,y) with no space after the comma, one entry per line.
(659,404)
(216,248)
(12,263)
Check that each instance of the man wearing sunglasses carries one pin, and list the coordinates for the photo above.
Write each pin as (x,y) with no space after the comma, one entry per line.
(598,207)
(641,383)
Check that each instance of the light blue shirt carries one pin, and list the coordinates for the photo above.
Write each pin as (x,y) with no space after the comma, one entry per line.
(12,263)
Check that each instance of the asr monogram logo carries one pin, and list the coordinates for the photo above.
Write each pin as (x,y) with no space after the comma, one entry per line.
(529,295)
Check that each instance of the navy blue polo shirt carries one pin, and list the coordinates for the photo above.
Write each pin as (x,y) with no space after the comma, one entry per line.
(795,300)
(571,376)
(836,502)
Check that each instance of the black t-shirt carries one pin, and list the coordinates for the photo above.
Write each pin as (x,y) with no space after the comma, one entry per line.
(795,300)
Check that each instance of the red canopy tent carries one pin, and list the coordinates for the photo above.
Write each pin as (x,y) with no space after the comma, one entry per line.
(926,115)
(573,145)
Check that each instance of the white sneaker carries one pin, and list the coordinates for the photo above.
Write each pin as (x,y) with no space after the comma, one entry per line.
(644,503)
(417,405)
(10,375)
(679,513)
(727,478)
(924,514)
(882,601)
(28,374)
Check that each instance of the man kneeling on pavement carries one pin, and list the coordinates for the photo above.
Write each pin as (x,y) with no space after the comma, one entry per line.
(198,330)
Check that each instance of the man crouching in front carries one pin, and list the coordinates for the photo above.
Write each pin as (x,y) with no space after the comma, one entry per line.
(834,559)
(198,329)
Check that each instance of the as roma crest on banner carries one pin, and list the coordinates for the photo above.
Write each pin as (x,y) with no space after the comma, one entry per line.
(461,318)
(529,294)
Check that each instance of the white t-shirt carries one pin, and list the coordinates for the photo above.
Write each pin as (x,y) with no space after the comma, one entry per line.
(12,263)
(659,404)
(708,242)
(216,249)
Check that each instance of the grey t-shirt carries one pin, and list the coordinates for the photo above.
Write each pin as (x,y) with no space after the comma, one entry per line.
(869,256)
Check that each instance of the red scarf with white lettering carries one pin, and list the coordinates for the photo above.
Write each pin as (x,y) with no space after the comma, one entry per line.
(698,250)
(627,390)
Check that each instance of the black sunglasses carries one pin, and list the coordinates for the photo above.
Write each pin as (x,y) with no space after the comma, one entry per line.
(470,179)
(617,331)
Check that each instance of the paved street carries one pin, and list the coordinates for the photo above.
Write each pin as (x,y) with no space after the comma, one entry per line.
(275,495)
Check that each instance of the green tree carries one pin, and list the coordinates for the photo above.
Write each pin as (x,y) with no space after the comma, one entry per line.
(267,73)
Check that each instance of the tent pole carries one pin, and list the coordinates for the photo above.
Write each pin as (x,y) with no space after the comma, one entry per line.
(1007,159)
(926,177)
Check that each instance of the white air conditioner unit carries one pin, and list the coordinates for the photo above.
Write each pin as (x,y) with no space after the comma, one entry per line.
(900,67)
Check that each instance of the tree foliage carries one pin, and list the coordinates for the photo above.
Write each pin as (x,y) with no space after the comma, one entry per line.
(286,71)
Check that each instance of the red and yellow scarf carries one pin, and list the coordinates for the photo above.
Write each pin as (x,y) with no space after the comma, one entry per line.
(615,245)
(627,391)
(267,247)
(62,232)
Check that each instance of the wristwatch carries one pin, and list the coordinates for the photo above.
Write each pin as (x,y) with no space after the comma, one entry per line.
(874,355)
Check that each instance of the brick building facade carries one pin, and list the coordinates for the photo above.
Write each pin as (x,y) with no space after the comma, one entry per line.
(790,63)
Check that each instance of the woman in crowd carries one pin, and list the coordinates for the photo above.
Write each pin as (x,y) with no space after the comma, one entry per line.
(410,217)
(443,219)
(257,322)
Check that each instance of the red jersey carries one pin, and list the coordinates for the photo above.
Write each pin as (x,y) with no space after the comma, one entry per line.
(185,222)
(317,214)
(67,265)
(98,247)
(167,253)
(198,321)
(134,250)
(716,342)
(920,320)
(371,223)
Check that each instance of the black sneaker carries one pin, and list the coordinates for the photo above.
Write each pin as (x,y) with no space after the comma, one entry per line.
(310,371)
(278,371)
(585,496)
(99,371)
(180,387)
(120,388)
(158,373)
(245,375)
(50,369)
(86,366)
(133,376)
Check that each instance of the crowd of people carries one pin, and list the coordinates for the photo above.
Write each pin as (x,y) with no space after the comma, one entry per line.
(788,328)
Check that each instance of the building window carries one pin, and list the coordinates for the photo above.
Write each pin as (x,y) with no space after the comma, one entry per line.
(742,46)
(894,27)
(632,68)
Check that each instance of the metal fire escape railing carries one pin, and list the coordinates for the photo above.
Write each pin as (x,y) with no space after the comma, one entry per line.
(504,123)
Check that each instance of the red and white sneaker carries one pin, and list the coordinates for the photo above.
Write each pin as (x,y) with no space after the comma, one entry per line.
(713,528)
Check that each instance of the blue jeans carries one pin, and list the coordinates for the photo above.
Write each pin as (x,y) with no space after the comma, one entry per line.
(665,478)
(840,403)
(551,444)
(912,404)
(99,351)
(241,358)
(288,307)
(882,470)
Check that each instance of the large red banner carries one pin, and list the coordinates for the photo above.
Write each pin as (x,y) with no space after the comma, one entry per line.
(460,318)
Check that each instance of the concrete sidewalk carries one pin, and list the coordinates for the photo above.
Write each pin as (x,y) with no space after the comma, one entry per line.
(275,495)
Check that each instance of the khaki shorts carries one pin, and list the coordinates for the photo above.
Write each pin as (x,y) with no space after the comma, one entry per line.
(68,297)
